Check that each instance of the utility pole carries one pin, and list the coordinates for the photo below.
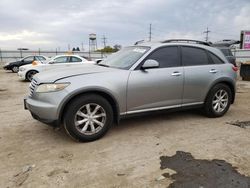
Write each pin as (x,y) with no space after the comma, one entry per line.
(104,40)
(82,46)
(1,57)
(150,32)
(206,32)
(68,47)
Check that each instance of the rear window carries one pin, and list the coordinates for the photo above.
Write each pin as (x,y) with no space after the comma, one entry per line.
(226,52)
(215,59)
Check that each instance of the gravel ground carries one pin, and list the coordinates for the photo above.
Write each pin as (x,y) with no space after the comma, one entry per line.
(35,155)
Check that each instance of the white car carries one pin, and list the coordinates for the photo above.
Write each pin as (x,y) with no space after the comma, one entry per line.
(27,72)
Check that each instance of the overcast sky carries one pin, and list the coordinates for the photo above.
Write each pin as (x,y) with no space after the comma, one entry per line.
(49,24)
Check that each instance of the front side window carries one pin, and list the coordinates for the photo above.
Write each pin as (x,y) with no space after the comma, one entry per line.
(63,59)
(166,56)
(194,56)
(125,58)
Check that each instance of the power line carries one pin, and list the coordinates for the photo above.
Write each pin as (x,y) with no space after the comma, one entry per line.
(207,31)
(150,32)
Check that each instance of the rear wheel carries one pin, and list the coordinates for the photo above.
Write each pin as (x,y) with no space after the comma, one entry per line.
(15,69)
(88,118)
(218,101)
(30,74)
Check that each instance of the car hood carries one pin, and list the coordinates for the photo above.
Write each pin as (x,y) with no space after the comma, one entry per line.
(60,73)
(13,62)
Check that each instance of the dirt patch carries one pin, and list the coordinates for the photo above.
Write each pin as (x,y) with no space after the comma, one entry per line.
(191,172)
(56,172)
(128,156)
(241,124)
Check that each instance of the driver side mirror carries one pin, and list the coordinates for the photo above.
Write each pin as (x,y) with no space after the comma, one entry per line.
(150,63)
(51,62)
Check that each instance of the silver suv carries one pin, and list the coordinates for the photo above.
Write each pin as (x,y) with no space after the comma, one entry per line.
(88,99)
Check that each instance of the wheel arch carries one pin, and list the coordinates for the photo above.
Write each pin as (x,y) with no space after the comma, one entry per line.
(109,97)
(227,82)
(29,71)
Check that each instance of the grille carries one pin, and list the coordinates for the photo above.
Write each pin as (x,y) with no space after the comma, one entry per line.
(33,86)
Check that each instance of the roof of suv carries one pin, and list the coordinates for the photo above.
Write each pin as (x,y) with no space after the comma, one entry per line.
(184,42)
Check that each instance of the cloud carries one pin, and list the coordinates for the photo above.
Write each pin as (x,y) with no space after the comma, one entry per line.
(52,24)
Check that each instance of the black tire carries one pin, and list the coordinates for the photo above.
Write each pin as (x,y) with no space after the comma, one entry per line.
(15,69)
(79,103)
(30,74)
(208,106)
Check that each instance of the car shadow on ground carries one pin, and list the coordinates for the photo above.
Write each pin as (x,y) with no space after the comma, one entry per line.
(138,121)
(155,117)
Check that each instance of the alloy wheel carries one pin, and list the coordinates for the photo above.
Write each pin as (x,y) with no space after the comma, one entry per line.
(90,119)
(220,101)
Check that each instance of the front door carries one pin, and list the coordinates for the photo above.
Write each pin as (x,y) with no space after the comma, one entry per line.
(157,88)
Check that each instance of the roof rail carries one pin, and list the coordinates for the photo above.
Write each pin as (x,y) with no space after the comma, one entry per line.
(188,41)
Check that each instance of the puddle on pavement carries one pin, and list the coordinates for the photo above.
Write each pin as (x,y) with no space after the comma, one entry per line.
(241,124)
(198,173)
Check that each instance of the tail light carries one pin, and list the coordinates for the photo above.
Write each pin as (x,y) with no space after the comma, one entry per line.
(235,68)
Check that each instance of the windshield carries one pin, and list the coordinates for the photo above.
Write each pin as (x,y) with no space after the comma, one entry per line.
(125,58)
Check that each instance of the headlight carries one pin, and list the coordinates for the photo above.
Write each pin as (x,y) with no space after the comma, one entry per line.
(22,69)
(51,87)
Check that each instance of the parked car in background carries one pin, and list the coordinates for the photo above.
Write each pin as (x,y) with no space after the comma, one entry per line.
(225,47)
(14,66)
(147,77)
(27,72)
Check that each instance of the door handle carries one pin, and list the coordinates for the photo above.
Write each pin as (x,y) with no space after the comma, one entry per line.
(213,71)
(176,74)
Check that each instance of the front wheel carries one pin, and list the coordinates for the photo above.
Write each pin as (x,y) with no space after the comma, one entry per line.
(15,69)
(218,101)
(30,74)
(88,117)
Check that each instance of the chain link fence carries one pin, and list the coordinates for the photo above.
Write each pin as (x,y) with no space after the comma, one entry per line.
(14,55)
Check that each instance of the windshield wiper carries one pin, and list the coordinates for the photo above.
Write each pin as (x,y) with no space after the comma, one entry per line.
(102,65)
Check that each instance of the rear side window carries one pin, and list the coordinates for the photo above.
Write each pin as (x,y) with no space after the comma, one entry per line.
(167,56)
(215,59)
(30,58)
(226,52)
(75,59)
(194,56)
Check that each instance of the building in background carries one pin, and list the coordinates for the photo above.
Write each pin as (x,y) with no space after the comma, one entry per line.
(245,39)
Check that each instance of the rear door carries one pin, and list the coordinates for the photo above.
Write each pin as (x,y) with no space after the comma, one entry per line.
(157,88)
(200,72)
